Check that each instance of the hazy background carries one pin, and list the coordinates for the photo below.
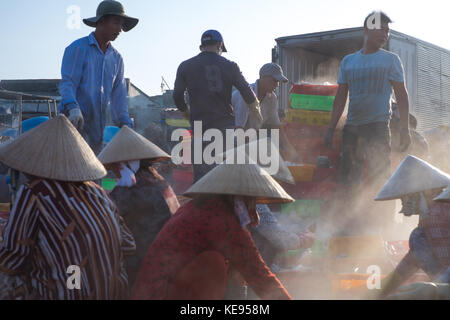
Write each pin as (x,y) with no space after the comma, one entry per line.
(35,33)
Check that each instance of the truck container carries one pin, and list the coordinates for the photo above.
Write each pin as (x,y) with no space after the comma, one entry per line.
(316,58)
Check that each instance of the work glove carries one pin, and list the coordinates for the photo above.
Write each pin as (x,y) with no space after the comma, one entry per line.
(255,117)
(421,291)
(328,140)
(405,140)
(76,118)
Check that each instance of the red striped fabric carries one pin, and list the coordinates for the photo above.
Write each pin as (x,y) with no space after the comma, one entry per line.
(54,225)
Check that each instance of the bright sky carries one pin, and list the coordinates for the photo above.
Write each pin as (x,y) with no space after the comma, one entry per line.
(35,33)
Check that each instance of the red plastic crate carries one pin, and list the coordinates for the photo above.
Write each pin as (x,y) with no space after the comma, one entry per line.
(301,131)
(183,180)
(325,174)
(310,149)
(314,89)
(311,190)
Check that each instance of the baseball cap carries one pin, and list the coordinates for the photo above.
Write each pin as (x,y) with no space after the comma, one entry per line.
(274,70)
(213,37)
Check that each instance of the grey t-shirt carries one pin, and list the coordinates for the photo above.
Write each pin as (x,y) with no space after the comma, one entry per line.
(369,79)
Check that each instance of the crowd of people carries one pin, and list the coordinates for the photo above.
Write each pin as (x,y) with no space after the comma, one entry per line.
(139,242)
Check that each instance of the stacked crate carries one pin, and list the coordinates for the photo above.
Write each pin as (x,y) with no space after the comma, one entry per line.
(308,118)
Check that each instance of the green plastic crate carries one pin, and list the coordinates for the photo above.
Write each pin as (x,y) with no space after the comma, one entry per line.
(311,102)
(319,248)
(304,208)
(108,184)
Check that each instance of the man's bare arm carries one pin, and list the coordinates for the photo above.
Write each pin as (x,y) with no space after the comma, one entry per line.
(401,95)
(339,105)
(338,109)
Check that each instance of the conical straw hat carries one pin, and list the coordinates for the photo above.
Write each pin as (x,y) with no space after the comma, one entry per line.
(444,196)
(240,179)
(129,145)
(413,175)
(54,150)
(283,174)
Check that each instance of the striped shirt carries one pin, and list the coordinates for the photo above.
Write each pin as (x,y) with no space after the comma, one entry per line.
(54,225)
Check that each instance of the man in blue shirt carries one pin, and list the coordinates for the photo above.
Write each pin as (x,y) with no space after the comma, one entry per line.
(209,79)
(368,77)
(93,75)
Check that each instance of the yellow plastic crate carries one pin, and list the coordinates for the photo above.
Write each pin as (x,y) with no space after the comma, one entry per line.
(5,207)
(318,118)
(303,173)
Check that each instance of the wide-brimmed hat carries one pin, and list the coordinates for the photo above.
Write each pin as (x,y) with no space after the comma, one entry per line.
(248,180)
(53,150)
(413,175)
(128,145)
(115,8)
(444,196)
(283,174)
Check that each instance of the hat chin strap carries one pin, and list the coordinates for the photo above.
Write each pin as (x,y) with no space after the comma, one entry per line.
(423,206)
(415,204)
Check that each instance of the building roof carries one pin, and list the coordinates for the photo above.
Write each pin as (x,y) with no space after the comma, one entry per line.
(15,95)
(39,87)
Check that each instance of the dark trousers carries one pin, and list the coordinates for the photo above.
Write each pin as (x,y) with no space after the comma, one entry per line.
(200,170)
(365,168)
(371,144)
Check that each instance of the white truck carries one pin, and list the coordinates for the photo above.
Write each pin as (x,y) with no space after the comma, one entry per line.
(316,58)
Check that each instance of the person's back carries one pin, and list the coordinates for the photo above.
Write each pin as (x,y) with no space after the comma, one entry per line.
(145,207)
(209,79)
(70,224)
(195,229)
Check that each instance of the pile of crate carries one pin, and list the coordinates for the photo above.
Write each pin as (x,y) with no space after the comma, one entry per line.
(308,118)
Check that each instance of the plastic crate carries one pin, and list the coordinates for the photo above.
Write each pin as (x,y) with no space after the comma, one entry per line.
(183,180)
(311,190)
(312,148)
(303,173)
(314,89)
(303,208)
(325,174)
(298,130)
(311,102)
(108,184)
(316,118)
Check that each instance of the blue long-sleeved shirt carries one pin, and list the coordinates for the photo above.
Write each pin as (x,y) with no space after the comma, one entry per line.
(92,81)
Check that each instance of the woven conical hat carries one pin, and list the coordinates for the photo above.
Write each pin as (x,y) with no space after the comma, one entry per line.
(413,175)
(240,179)
(283,174)
(129,145)
(54,150)
(444,196)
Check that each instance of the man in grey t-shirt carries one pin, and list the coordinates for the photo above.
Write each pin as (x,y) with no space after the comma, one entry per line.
(368,77)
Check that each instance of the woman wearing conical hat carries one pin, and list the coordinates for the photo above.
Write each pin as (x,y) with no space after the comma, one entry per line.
(417,183)
(190,258)
(270,237)
(60,220)
(144,199)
